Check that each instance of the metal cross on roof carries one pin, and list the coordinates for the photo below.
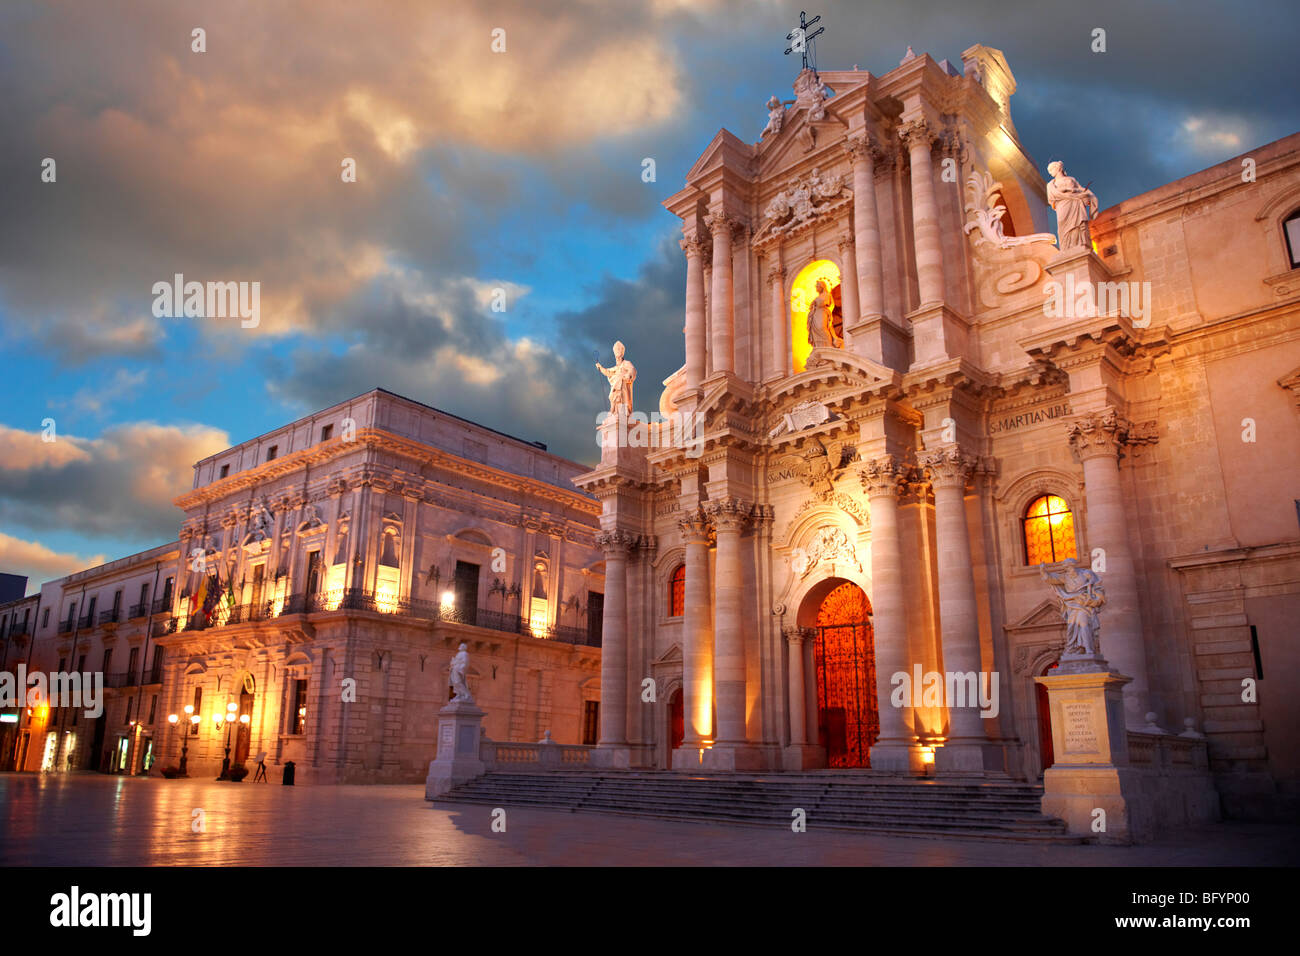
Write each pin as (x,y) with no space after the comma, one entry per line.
(801,41)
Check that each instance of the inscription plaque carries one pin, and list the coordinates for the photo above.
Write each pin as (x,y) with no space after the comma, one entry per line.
(1080,727)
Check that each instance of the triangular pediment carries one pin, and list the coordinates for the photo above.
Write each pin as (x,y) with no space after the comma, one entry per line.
(671,656)
(725,149)
(1044,615)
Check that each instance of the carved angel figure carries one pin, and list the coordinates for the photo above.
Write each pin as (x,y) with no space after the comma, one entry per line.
(775,115)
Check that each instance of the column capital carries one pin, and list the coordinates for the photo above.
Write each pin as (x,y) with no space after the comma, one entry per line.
(729,514)
(917,133)
(695,526)
(614,543)
(796,635)
(845,244)
(947,467)
(776,274)
(883,477)
(724,222)
(1098,434)
(866,148)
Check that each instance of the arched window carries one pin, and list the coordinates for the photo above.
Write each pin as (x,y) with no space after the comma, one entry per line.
(1291,226)
(677,592)
(1049,531)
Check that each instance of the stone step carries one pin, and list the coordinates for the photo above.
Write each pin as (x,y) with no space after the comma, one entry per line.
(963,809)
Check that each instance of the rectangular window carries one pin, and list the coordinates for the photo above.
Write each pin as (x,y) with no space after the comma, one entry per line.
(225,471)
(595,617)
(466,590)
(198,701)
(298,707)
(590,722)
(45,618)
(108,656)
(131,661)
(63,664)
(313,572)
(81,664)
(144,596)
(153,708)
(167,594)
(117,601)
(326,432)
(127,718)
(271,452)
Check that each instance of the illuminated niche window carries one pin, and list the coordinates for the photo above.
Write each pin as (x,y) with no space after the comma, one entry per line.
(1292,229)
(539,608)
(802,295)
(677,592)
(1049,531)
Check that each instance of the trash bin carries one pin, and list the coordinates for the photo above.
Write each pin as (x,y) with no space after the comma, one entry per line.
(287,779)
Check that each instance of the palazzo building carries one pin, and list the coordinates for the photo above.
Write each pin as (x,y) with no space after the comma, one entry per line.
(916,399)
(324,575)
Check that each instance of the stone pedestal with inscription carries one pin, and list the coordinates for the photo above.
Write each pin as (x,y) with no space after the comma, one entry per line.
(1091,785)
(457,760)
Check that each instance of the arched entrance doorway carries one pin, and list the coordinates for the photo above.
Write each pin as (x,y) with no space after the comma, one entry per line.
(848,720)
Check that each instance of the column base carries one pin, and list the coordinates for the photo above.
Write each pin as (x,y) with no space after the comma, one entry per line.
(803,757)
(877,338)
(611,757)
(969,756)
(735,757)
(897,757)
(939,335)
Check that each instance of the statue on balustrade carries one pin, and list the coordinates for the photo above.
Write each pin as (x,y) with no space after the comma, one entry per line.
(621,377)
(1075,205)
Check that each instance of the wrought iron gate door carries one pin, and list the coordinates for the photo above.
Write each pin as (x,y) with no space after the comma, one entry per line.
(848,721)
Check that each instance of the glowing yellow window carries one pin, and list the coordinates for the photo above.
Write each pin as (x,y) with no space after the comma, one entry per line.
(1049,531)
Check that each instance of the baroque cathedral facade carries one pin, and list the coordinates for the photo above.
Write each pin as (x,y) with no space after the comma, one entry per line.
(916,405)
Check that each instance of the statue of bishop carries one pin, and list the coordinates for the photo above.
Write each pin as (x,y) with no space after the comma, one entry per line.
(621,377)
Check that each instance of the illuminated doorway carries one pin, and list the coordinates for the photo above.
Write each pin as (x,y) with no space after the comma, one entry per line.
(676,720)
(802,294)
(848,719)
(1045,752)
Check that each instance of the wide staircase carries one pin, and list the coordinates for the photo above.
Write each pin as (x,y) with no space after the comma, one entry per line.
(839,800)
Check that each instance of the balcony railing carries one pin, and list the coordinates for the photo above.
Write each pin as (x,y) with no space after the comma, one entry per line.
(164,627)
(134,678)
(18,629)
(65,626)
(85,621)
(137,610)
(155,674)
(161,605)
(109,617)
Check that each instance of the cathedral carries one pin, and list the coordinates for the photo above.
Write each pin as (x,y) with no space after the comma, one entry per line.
(954,424)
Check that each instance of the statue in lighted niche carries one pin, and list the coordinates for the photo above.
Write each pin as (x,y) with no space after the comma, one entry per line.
(821,319)
(621,377)
(1075,205)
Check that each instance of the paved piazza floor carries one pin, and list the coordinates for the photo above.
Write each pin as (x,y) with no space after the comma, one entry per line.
(112,821)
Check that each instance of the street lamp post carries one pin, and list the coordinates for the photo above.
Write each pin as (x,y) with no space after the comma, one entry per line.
(191,721)
(229,718)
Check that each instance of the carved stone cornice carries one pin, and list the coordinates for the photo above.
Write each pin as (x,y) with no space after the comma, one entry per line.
(947,467)
(729,514)
(883,477)
(915,133)
(695,525)
(1098,434)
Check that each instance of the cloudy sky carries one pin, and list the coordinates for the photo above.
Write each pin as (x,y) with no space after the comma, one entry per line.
(476,170)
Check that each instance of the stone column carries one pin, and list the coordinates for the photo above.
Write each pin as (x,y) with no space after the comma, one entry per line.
(918,136)
(777,360)
(948,471)
(613,658)
(722,332)
(895,749)
(866,229)
(794,637)
(1097,440)
(696,330)
(849,279)
(697,632)
(729,518)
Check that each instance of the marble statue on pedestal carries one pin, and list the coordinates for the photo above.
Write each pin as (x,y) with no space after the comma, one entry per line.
(459,682)
(1080,594)
(1075,205)
(621,377)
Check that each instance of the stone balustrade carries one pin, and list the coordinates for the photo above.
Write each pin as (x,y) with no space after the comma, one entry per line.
(540,756)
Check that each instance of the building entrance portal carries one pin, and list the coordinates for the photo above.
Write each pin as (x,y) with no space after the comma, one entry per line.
(848,720)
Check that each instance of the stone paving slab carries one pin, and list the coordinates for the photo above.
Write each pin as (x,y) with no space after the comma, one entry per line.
(94,820)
